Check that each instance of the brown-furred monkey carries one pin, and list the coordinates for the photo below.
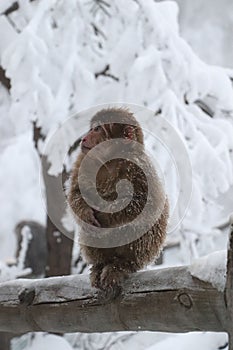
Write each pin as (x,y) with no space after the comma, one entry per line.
(111,265)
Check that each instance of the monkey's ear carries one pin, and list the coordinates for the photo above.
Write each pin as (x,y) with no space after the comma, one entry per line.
(129,132)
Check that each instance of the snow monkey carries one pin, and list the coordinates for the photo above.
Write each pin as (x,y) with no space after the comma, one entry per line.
(112,264)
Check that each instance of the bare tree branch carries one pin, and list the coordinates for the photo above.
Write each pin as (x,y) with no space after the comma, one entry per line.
(4,80)
(14,7)
(37,136)
(105,72)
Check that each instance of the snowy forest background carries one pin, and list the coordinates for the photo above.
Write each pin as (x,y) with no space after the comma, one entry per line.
(60,57)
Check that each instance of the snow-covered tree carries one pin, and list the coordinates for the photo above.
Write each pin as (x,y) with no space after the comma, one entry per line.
(61,58)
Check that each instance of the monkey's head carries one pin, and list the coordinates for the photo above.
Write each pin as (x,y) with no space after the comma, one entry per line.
(110,124)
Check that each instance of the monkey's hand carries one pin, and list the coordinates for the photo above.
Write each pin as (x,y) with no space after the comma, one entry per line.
(88,215)
(82,212)
(95,275)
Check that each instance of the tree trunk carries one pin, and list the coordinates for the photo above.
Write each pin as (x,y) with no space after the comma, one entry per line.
(59,244)
(59,240)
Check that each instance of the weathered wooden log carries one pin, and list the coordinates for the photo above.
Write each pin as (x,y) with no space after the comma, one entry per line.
(168,300)
(229,287)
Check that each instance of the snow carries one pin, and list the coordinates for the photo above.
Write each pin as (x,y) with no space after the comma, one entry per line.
(207,26)
(53,55)
(26,237)
(8,273)
(9,34)
(192,341)
(162,341)
(5,5)
(211,268)
(16,270)
(39,341)
(20,192)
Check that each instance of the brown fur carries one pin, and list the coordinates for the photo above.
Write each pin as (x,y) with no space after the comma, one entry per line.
(112,265)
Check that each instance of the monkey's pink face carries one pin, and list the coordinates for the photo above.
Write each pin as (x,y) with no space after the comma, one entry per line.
(92,138)
(100,133)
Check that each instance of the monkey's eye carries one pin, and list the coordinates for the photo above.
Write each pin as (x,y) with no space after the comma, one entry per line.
(97,128)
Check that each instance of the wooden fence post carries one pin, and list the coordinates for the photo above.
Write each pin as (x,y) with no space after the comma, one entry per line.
(229,287)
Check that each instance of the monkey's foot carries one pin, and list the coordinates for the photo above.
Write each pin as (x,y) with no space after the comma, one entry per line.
(111,278)
(95,275)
